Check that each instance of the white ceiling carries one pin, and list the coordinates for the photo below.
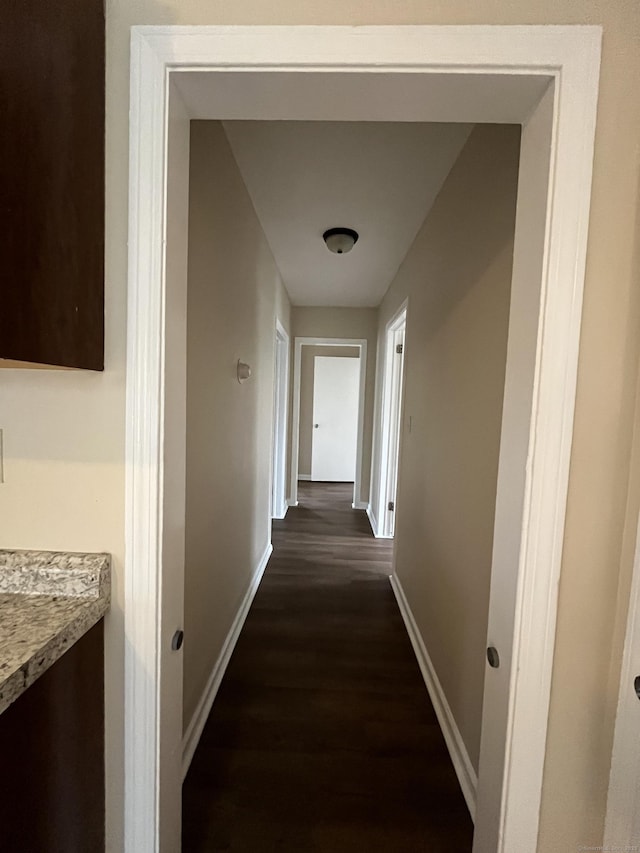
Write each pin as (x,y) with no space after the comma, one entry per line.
(378,178)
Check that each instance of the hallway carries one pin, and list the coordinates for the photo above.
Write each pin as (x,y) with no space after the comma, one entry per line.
(322,736)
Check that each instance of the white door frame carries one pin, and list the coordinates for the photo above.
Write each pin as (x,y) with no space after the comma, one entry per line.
(622,822)
(279,503)
(300,342)
(392,390)
(544,77)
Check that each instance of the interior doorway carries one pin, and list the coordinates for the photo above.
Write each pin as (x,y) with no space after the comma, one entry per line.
(280,407)
(303,429)
(544,78)
(394,358)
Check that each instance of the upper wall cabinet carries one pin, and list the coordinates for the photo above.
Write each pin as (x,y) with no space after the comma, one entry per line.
(52,189)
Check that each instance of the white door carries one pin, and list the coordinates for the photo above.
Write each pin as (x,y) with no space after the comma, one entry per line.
(336,383)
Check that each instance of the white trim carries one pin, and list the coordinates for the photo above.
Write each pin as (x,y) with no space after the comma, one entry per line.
(622,821)
(198,721)
(372,521)
(438,56)
(457,750)
(304,477)
(360,505)
(399,317)
(300,342)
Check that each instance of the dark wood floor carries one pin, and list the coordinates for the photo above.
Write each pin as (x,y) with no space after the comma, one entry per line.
(322,737)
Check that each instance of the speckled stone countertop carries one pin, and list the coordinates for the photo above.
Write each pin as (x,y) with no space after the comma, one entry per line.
(48,600)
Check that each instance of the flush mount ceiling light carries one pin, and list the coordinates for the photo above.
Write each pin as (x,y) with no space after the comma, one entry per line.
(340,240)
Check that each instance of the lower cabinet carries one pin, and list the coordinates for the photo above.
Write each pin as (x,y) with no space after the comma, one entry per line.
(52,792)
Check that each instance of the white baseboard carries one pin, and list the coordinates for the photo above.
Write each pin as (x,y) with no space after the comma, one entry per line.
(373,521)
(197,722)
(359,505)
(304,477)
(459,756)
(283,512)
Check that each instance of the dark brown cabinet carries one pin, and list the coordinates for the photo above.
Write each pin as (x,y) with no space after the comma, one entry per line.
(52,112)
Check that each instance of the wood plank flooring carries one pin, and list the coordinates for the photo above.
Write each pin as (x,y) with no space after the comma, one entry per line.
(322,736)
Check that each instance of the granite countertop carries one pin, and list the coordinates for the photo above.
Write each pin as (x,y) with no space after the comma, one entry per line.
(48,600)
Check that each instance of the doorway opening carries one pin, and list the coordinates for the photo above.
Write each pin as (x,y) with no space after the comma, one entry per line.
(279,503)
(311,446)
(302,749)
(383,520)
(335,418)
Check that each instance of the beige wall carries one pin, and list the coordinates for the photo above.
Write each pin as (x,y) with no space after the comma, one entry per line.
(361,323)
(64,490)
(64,432)
(457,277)
(233,294)
(306,398)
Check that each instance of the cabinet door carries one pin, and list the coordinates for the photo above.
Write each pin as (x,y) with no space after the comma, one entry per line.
(52,788)
(52,182)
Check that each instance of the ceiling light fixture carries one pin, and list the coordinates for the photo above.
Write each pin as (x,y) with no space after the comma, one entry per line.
(340,240)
